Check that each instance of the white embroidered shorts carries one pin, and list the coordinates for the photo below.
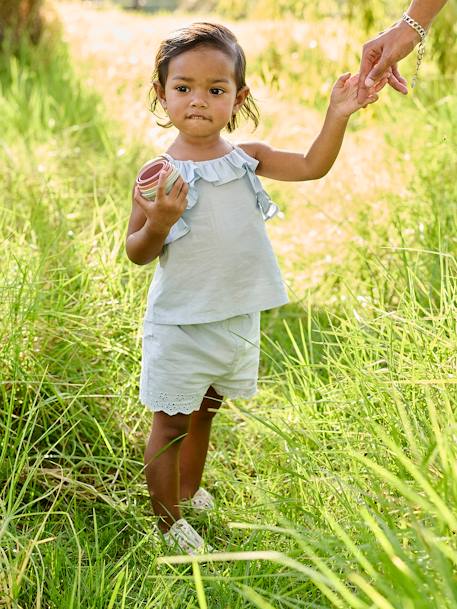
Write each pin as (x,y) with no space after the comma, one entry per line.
(180,363)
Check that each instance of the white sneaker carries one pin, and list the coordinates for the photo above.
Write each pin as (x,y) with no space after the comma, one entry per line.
(202,500)
(186,538)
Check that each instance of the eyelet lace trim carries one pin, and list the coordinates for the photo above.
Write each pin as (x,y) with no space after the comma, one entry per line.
(181,403)
(178,403)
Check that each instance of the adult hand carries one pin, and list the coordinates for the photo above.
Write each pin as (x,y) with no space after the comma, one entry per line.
(382,53)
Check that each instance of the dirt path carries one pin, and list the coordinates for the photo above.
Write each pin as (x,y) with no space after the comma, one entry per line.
(117,49)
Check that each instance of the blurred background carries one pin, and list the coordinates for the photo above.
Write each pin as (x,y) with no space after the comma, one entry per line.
(344,463)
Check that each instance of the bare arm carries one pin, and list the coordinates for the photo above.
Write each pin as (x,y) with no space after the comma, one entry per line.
(423,11)
(144,242)
(294,166)
(150,221)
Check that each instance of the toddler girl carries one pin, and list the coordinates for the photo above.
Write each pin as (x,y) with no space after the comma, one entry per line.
(216,268)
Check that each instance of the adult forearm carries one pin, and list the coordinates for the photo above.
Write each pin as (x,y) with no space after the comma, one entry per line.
(326,146)
(145,245)
(423,11)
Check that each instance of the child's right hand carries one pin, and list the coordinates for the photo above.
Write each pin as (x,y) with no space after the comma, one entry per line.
(162,212)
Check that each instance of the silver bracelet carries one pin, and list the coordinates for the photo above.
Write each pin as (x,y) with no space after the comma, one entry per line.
(416,26)
(421,50)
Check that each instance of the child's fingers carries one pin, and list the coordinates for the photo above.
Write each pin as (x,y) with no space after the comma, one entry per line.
(177,186)
(353,81)
(161,184)
(184,189)
(162,181)
(183,192)
(370,100)
(182,196)
(342,79)
(138,197)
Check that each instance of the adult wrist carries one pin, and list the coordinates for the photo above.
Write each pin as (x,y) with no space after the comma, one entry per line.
(408,33)
(420,31)
(415,25)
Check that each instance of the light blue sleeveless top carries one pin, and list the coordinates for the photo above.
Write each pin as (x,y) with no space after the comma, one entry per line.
(217,260)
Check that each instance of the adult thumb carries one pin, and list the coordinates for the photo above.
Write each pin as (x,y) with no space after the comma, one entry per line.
(378,70)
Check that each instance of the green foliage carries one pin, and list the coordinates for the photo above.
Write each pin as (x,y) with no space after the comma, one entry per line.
(339,479)
(20,19)
(368,17)
(444,36)
(280,67)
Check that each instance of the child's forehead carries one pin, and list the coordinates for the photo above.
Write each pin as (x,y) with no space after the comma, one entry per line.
(202,63)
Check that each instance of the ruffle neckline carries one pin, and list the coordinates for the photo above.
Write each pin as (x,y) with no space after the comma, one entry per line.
(223,169)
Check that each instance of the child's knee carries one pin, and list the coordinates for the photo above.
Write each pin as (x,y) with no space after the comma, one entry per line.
(171,427)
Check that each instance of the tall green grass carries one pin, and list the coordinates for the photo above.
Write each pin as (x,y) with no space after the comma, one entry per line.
(336,487)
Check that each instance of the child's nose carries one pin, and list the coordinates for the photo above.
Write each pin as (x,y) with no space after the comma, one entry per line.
(199,101)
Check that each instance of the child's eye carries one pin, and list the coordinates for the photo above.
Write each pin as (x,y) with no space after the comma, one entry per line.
(217,90)
(181,87)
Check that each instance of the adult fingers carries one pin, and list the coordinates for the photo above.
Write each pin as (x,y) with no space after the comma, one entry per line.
(370,55)
(381,84)
(397,82)
(398,86)
(378,69)
(397,74)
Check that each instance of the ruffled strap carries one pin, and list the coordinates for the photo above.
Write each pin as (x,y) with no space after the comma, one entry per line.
(227,168)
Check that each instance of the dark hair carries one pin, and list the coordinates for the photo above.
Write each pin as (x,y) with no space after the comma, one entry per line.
(204,34)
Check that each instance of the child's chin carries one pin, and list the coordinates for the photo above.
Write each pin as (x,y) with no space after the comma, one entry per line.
(200,126)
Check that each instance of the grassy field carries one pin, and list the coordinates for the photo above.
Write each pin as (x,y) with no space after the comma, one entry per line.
(336,486)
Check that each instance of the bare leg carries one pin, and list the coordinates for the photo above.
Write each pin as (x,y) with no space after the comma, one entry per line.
(162,466)
(194,447)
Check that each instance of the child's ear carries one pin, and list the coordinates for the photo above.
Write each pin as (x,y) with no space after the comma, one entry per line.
(240,98)
(160,92)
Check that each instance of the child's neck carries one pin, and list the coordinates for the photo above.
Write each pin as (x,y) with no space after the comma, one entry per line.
(198,149)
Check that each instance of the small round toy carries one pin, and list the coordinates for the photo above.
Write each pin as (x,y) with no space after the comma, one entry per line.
(148,177)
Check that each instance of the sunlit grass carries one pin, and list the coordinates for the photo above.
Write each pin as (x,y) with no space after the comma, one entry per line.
(335,486)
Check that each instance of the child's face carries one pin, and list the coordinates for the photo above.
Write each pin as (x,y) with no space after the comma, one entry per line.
(200,93)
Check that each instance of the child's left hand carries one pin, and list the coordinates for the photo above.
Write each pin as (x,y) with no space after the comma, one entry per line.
(343,100)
